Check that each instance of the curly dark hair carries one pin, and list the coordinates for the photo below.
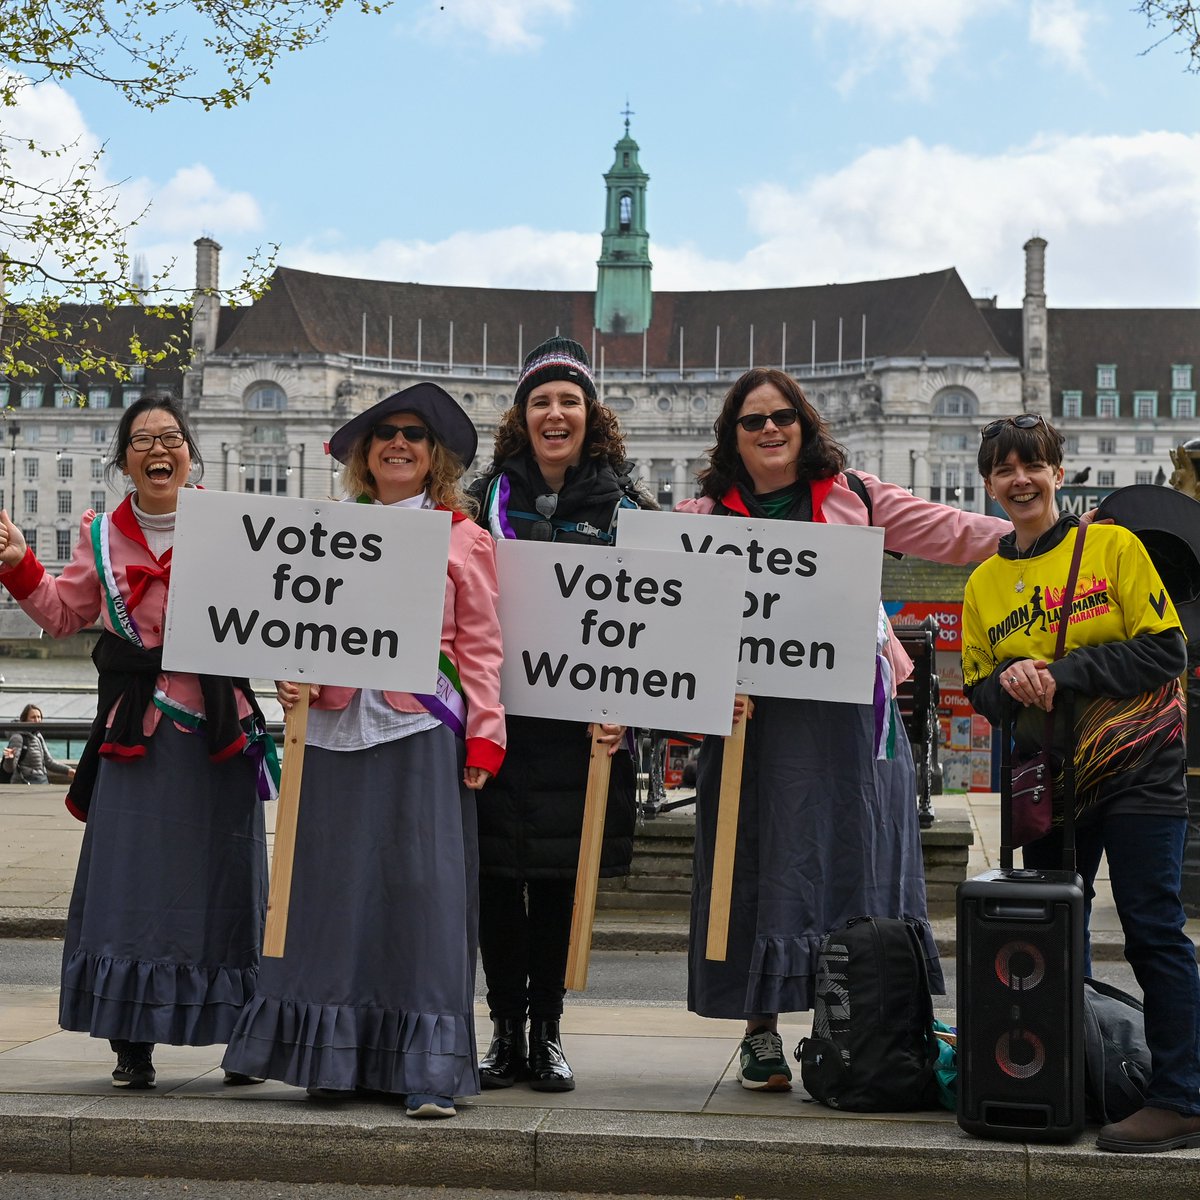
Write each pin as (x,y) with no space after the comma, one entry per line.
(602,437)
(820,455)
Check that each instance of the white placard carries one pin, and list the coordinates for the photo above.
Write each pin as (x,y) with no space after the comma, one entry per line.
(811,605)
(627,637)
(308,590)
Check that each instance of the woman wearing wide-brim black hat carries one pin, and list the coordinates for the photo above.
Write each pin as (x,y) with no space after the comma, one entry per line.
(558,474)
(375,992)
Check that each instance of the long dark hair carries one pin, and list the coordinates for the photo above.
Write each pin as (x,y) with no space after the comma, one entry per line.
(120,443)
(820,455)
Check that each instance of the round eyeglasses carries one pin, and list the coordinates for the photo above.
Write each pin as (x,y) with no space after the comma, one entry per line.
(171,440)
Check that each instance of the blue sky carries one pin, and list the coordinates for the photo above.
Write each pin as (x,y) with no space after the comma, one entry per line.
(788,142)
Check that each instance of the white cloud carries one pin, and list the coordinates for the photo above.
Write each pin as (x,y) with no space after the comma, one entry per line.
(915,34)
(912,207)
(518,257)
(1060,27)
(190,202)
(507,25)
(1121,215)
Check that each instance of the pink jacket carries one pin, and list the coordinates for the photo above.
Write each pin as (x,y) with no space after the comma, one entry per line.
(911,526)
(470,640)
(74,600)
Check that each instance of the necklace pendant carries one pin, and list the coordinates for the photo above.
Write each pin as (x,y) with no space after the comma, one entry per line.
(1019,586)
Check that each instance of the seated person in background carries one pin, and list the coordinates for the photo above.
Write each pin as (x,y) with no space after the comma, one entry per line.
(27,758)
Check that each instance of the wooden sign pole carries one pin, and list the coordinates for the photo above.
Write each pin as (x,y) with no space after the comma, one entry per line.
(286,819)
(587,878)
(726,845)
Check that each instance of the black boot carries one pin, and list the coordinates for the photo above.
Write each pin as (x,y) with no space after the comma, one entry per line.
(505,1061)
(549,1070)
(135,1069)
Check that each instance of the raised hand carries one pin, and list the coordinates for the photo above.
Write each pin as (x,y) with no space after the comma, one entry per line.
(12,541)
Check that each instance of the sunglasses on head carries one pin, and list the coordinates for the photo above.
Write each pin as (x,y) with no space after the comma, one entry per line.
(384,432)
(1020,421)
(781,418)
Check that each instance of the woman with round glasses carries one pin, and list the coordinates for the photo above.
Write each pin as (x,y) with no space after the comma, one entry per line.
(375,992)
(558,474)
(828,826)
(166,916)
(1124,654)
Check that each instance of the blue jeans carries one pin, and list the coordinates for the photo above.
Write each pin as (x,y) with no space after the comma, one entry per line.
(1145,864)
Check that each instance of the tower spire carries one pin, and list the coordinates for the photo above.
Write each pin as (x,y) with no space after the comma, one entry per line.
(623,295)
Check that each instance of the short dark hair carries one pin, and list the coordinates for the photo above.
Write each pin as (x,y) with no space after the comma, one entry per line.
(120,444)
(820,455)
(1043,443)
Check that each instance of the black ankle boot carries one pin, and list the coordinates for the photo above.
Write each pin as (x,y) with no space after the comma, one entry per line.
(135,1068)
(505,1061)
(549,1070)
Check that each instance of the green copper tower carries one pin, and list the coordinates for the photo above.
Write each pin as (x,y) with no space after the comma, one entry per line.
(623,295)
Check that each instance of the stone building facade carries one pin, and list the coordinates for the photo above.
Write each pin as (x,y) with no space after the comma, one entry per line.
(905,370)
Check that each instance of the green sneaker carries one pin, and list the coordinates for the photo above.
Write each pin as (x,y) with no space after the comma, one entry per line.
(762,1067)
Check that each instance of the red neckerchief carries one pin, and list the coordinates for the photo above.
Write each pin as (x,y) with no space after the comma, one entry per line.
(819,488)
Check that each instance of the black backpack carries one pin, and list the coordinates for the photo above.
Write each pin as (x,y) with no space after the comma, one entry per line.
(872,1047)
(1116,1059)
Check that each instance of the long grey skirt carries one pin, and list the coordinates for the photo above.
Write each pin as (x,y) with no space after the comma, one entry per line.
(826,832)
(166,917)
(376,986)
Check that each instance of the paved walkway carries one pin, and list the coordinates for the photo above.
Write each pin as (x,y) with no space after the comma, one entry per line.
(658,1109)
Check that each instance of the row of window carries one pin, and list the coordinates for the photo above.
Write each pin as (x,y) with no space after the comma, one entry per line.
(32,395)
(260,398)
(1144,405)
(137,372)
(65,502)
(31,468)
(1181,377)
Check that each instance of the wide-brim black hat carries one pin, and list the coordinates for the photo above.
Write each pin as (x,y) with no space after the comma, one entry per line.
(1168,524)
(434,405)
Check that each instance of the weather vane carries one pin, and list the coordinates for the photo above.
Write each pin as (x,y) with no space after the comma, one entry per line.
(627,112)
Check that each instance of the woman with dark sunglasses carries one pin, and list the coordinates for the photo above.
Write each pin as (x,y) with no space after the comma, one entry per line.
(166,916)
(558,474)
(1123,656)
(375,992)
(828,825)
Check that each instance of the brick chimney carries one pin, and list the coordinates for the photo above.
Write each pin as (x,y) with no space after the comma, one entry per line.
(206,299)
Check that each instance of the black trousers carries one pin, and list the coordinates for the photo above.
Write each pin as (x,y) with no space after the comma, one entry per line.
(524,933)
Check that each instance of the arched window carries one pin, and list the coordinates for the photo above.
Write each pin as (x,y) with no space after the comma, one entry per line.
(626,212)
(266,397)
(955,402)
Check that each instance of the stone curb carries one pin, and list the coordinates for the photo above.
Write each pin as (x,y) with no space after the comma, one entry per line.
(625,936)
(522,1149)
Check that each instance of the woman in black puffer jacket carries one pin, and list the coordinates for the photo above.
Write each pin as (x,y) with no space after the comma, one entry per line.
(558,474)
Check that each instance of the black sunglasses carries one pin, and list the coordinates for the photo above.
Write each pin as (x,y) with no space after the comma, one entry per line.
(781,418)
(1020,421)
(411,433)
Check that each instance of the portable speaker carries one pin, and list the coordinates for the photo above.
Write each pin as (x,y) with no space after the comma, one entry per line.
(1020,1005)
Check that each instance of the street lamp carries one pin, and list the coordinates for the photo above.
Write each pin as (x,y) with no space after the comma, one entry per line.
(299,448)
